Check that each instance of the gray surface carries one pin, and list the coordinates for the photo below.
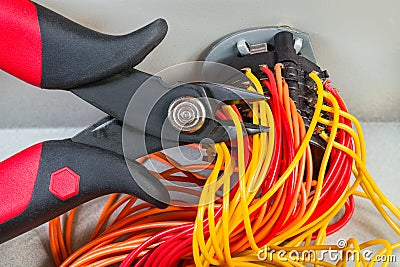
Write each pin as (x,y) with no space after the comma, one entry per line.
(32,249)
(357,41)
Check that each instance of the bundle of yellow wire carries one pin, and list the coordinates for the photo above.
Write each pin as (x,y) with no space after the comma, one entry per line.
(229,231)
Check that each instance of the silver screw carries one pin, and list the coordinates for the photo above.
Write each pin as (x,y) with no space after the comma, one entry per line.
(298,44)
(187,114)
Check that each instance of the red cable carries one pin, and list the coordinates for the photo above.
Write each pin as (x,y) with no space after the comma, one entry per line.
(273,171)
(132,256)
(288,153)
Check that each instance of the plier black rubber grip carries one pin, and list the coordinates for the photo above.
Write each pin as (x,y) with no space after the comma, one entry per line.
(52,52)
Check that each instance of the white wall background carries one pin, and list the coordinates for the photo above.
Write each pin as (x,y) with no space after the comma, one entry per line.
(357,41)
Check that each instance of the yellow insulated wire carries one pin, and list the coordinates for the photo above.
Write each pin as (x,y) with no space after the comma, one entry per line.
(362,160)
(250,180)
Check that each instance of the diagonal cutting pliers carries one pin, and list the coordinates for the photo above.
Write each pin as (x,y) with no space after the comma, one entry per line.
(49,51)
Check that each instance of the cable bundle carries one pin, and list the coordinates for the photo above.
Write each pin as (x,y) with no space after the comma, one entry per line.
(275,204)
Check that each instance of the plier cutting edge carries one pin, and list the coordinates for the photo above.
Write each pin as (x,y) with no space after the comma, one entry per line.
(49,51)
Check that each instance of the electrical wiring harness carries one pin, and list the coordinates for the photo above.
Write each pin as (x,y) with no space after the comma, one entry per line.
(276,203)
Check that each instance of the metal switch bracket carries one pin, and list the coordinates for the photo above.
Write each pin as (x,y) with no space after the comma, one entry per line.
(256,40)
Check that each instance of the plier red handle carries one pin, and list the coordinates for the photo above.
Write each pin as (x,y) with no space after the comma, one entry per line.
(49,51)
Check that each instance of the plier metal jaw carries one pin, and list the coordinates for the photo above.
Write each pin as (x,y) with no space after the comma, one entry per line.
(52,177)
(152,111)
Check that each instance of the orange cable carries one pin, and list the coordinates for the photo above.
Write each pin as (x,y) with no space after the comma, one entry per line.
(68,231)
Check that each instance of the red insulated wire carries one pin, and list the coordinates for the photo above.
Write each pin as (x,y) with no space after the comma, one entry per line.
(142,260)
(176,242)
(179,255)
(349,211)
(349,206)
(290,182)
(177,252)
(337,171)
(162,254)
(273,171)
(288,151)
(132,256)
(327,203)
